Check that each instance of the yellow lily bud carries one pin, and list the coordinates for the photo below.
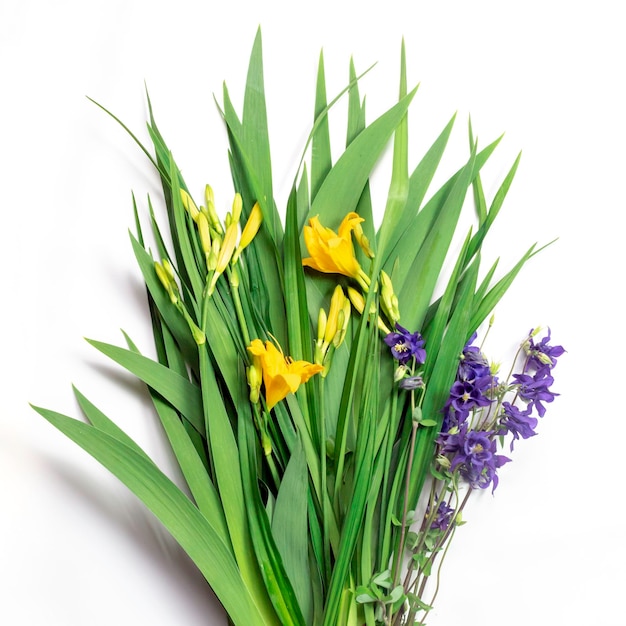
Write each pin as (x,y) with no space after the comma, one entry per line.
(336,305)
(214,219)
(189,204)
(389,298)
(358,302)
(320,349)
(342,320)
(254,375)
(204,232)
(250,230)
(209,196)
(363,241)
(165,274)
(321,326)
(237,206)
(212,257)
(162,275)
(227,248)
(167,266)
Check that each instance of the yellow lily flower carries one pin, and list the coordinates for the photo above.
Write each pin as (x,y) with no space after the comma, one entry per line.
(332,253)
(281,375)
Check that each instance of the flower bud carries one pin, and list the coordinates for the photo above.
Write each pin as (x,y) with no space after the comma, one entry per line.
(358,302)
(321,325)
(400,373)
(237,206)
(362,240)
(443,461)
(227,248)
(189,204)
(336,304)
(254,376)
(209,196)
(204,232)
(343,320)
(252,226)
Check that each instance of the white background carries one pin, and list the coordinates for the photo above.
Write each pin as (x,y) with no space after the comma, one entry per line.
(76,548)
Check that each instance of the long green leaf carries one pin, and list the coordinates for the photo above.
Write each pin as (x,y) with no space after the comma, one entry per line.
(181,518)
(181,393)
(344,184)
(290,529)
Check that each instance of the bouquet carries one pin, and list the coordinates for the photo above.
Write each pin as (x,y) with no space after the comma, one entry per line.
(321,380)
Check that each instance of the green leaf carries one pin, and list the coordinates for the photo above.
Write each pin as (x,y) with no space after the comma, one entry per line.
(321,160)
(344,184)
(224,451)
(290,528)
(276,580)
(182,394)
(200,540)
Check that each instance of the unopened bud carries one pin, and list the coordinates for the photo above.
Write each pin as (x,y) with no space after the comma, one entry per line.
(358,302)
(363,241)
(204,232)
(443,461)
(237,206)
(266,443)
(400,373)
(212,258)
(344,316)
(227,248)
(167,266)
(250,229)
(336,305)
(253,374)
(189,204)
(321,325)
(209,196)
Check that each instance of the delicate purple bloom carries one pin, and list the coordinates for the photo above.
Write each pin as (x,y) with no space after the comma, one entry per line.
(473,365)
(473,382)
(474,456)
(452,417)
(406,345)
(517,423)
(466,396)
(535,388)
(542,353)
(411,382)
(443,518)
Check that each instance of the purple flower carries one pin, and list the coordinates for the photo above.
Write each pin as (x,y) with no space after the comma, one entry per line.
(466,396)
(468,392)
(405,345)
(517,423)
(473,364)
(443,518)
(474,456)
(542,353)
(534,388)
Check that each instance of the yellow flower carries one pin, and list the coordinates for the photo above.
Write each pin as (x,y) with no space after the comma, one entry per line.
(281,375)
(332,253)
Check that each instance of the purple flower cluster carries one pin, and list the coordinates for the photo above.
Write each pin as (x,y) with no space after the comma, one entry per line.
(533,387)
(472,450)
(406,346)
(474,455)
(471,387)
(443,518)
